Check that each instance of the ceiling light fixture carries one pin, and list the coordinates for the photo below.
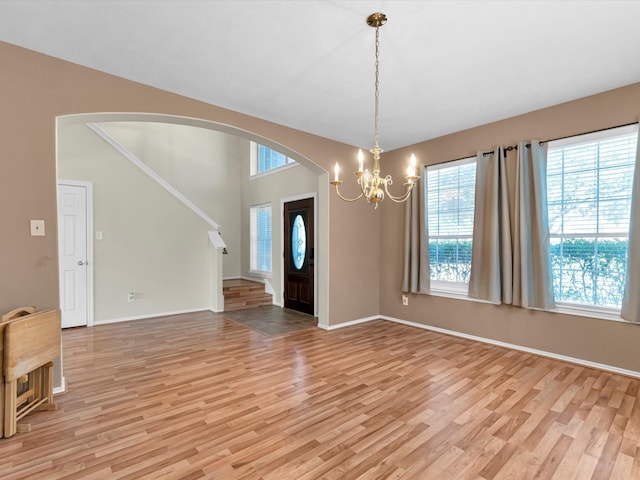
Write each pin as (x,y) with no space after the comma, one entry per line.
(372,186)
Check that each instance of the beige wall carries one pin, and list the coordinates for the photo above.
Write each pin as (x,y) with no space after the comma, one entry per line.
(271,189)
(602,341)
(35,89)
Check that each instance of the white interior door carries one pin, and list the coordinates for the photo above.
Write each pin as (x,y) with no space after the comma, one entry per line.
(72,254)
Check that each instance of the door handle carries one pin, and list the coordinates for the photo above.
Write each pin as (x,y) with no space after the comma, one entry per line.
(81,263)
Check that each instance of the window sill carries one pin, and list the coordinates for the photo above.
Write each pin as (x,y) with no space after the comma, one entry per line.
(459,292)
(273,170)
(601,313)
(260,273)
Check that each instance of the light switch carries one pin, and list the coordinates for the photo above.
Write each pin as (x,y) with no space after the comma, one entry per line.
(37,228)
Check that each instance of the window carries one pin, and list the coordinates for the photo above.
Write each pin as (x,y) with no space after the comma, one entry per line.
(589,180)
(260,239)
(264,159)
(451,192)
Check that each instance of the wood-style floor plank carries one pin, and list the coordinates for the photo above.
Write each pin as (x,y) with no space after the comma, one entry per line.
(201,396)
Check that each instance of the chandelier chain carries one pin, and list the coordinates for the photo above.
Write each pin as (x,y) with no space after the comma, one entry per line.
(377,86)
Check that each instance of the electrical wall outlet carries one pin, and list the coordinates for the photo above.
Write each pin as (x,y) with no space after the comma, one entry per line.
(405,300)
(131,297)
(37,228)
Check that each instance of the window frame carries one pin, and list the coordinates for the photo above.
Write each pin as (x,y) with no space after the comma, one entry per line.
(575,308)
(254,240)
(254,162)
(444,288)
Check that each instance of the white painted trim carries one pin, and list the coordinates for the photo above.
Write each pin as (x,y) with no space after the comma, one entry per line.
(90,239)
(76,118)
(601,313)
(152,174)
(216,240)
(349,324)
(268,288)
(153,315)
(244,277)
(62,388)
(271,171)
(542,353)
(216,266)
(283,235)
(565,308)
(259,274)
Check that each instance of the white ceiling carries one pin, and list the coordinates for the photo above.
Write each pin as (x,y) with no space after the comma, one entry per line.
(309,64)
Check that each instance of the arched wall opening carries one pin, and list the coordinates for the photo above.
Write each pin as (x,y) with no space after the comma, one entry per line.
(321,191)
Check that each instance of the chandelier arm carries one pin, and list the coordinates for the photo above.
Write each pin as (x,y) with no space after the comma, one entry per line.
(345,198)
(400,198)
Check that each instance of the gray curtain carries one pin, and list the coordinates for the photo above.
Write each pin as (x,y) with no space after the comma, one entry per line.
(491,272)
(510,253)
(532,279)
(416,239)
(631,299)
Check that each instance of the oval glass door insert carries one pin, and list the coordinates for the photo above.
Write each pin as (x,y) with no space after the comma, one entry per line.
(298,242)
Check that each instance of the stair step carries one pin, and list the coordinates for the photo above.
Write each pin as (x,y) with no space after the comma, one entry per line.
(240,294)
(242,303)
(237,291)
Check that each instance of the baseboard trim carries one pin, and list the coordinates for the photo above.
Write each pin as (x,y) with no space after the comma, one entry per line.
(542,353)
(61,389)
(152,315)
(348,324)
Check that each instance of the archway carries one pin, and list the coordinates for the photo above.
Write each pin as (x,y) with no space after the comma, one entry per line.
(322,191)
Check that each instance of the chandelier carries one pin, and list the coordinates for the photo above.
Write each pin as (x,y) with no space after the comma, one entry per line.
(373,187)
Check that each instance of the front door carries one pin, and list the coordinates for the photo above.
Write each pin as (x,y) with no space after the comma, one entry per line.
(299,253)
(72,254)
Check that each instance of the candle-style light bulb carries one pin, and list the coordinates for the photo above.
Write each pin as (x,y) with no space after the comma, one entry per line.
(411,170)
(360,160)
(336,170)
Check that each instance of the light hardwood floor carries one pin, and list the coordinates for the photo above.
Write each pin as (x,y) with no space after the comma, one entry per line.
(201,396)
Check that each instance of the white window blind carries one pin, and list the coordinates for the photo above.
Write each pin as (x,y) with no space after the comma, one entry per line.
(589,180)
(265,159)
(450,202)
(260,238)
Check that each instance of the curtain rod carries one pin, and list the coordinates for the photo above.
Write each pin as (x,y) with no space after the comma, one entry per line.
(587,133)
(515,147)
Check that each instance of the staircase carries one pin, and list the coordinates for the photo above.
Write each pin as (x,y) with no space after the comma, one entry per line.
(240,294)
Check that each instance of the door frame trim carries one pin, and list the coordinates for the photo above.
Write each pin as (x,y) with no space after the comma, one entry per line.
(283,235)
(89,233)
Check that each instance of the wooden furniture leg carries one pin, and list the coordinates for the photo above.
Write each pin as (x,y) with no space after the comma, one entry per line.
(2,410)
(10,398)
(47,383)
